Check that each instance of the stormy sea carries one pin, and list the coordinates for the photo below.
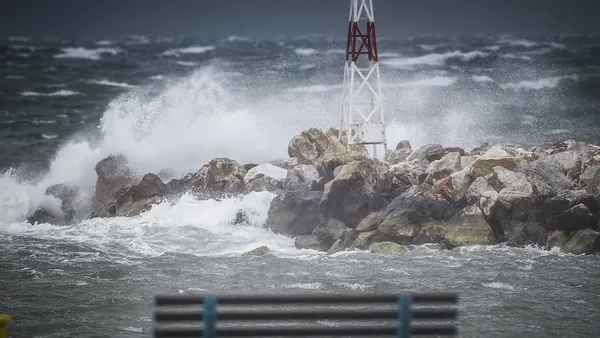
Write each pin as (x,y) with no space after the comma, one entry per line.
(177,103)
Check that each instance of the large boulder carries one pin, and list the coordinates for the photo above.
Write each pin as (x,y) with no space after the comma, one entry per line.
(402,179)
(330,161)
(295,213)
(300,177)
(355,192)
(388,248)
(220,177)
(467,227)
(365,239)
(113,174)
(406,214)
(484,166)
(569,210)
(590,179)
(476,190)
(140,197)
(332,233)
(310,144)
(501,178)
(547,178)
(504,211)
(583,242)
(443,167)
(264,177)
(454,187)
(428,153)
(556,239)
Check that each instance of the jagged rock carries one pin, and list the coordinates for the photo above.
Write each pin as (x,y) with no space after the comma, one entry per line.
(566,161)
(311,144)
(502,178)
(458,150)
(484,166)
(301,177)
(476,190)
(365,239)
(556,239)
(311,242)
(404,216)
(264,177)
(140,197)
(388,248)
(467,227)
(329,162)
(335,134)
(494,152)
(443,167)
(355,192)
(334,230)
(583,242)
(402,179)
(466,160)
(324,237)
(569,210)
(220,176)
(547,178)
(260,251)
(590,179)
(453,187)
(338,246)
(404,144)
(113,174)
(290,163)
(396,156)
(578,217)
(527,233)
(241,217)
(481,149)
(428,152)
(503,211)
(369,223)
(295,213)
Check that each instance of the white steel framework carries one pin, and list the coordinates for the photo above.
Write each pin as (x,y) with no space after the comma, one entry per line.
(362,117)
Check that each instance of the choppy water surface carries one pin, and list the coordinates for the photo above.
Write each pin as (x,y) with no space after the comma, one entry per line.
(178,103)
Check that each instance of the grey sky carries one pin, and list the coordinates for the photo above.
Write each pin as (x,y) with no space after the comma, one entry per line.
(265,18)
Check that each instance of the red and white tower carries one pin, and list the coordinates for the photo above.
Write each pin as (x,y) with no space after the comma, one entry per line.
(362,118)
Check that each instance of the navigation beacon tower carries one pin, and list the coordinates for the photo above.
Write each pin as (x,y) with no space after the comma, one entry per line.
(362,114)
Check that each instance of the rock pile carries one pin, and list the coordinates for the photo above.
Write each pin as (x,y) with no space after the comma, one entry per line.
(331,199)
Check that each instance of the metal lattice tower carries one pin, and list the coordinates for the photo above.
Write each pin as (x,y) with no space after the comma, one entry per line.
(362,118)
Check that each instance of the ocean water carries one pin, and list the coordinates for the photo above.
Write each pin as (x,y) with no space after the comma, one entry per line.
(176,103)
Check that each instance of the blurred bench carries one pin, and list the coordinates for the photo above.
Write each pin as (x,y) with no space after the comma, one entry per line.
(312,315)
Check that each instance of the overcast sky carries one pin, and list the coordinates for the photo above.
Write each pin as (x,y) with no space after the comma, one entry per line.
(267,18)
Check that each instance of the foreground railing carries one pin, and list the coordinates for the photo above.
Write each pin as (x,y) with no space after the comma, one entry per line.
(306,315)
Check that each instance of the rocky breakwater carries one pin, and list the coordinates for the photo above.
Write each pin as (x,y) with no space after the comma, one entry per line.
(331,199)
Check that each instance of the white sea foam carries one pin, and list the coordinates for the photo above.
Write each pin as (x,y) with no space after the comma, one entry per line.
(84,53)
(306,51)
(57,93)
(498,285)
(433,59)
(543,83)
(112,83)
(482,78)
(188,50)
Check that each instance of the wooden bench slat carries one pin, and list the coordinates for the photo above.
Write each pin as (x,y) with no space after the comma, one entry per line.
(182,332)
(366,314)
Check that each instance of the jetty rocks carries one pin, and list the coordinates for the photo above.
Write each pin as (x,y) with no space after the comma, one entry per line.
(332,199)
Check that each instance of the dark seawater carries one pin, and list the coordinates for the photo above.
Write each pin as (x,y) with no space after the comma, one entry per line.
(176,103)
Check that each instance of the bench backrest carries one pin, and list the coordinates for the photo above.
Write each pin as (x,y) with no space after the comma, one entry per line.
(287,315)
